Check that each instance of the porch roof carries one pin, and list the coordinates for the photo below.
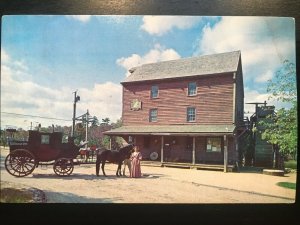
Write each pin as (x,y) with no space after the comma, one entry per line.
(172,130)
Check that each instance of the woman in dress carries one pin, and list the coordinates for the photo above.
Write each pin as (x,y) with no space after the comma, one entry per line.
(136,158)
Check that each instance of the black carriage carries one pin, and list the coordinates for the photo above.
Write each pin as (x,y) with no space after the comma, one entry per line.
(41,148)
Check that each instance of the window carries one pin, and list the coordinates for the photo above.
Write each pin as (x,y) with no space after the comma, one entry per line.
(154,91)
(45,139)
(153,115)
(192,89)
(214,144)
(191,114)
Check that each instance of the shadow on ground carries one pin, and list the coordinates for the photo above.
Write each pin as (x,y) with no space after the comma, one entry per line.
(89,176)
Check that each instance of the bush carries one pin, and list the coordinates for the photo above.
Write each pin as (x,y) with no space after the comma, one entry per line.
(292,164)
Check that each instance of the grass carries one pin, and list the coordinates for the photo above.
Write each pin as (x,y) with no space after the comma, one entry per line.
(11,195)
(292,164)
(287,185)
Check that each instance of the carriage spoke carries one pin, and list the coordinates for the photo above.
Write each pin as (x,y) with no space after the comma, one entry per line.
(63,167)
(20,163)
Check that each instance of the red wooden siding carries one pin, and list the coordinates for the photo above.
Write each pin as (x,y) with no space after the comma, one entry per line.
(213,102)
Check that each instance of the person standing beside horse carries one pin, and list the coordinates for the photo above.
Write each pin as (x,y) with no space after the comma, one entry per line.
(136,158)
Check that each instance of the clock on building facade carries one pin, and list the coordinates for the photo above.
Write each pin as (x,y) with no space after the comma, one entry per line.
(136,104)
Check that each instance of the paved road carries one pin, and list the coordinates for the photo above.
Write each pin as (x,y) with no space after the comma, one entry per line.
(158,185)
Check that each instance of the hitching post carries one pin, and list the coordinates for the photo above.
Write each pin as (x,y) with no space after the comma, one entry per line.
(225,153)
(162,150)
(194,150)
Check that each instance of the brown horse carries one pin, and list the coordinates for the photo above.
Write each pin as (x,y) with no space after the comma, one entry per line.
(113,156)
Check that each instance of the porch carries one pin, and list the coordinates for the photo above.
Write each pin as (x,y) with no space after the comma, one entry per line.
(197,166)
(186,146)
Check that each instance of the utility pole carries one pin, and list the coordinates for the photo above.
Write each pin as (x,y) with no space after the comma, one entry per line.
(86,127)
(76,99)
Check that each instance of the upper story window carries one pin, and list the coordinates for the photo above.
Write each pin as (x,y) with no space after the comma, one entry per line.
(214,144)
(192,88)
(154,91)
(191,114)
(153,115)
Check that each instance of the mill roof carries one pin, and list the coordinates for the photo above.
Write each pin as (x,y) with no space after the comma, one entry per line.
(186,67)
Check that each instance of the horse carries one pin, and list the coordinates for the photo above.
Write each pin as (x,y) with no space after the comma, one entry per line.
(113,156)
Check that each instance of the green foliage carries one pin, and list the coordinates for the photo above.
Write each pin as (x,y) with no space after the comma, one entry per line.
(287,185)
(292,164)
(281,128)
(116,142)
(11,195)
(105,142)
(283,86)
(95,121)
(106,121)
(117,124)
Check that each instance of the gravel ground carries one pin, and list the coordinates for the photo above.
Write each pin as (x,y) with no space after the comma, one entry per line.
(158,185)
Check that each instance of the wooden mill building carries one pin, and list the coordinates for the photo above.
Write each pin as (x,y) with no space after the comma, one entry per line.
(186,111)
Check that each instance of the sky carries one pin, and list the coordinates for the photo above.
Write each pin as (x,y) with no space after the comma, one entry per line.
(45,59)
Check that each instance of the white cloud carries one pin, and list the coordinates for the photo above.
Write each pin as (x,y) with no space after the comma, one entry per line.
(157,54)
(264,77)
(81,18)
(264,42)
(4,56)
(30,98)
(159,25)
(252,96)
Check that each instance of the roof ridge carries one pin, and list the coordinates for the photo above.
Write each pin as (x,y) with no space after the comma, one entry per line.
(182,59)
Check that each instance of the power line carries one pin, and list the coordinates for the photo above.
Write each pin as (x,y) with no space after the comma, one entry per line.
(18,114)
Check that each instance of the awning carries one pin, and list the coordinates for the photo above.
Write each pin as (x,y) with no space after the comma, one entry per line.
(180,130)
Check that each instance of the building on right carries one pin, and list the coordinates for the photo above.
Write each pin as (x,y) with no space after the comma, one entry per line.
(186,112)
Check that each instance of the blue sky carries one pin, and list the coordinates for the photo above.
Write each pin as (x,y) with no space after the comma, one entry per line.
(44,59)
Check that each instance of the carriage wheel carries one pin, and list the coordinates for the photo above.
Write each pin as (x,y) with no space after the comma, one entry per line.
(63,167)
(20,163)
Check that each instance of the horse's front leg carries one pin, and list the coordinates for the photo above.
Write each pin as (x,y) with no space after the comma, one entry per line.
(119,170)
(124,167)
(97,167)
(103,164)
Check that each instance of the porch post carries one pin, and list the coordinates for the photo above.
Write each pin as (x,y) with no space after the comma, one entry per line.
(194,150)
(109,142)
(225,153)
(162,150)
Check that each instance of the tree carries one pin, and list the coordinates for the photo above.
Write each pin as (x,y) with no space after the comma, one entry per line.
(281,128)
(106,120)
(95,121)
(117,124)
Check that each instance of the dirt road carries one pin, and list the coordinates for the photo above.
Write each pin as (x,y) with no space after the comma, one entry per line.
(158,185)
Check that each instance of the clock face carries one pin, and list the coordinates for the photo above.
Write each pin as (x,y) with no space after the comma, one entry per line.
(136,104)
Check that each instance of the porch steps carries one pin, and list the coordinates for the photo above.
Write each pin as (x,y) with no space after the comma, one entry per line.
(187,165)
